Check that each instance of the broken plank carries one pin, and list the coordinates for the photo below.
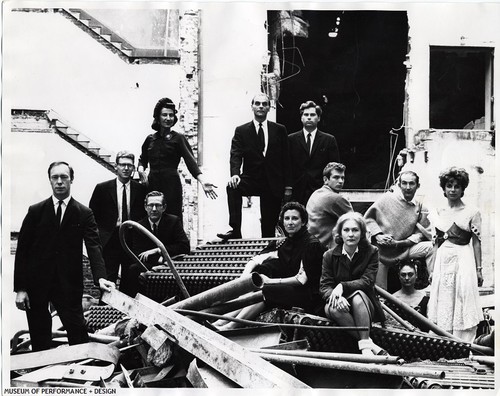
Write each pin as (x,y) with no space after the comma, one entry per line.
(235,362)
(71,353)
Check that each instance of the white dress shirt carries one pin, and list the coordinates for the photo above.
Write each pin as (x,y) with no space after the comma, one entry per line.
(266,134)
(313,135)
(64,205)
(119,194)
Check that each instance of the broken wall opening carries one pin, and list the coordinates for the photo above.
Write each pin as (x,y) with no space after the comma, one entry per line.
(356,75)
(461,87)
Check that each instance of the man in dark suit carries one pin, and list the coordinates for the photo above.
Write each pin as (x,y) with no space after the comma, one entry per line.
(48,264)
(113,202)
(261,146)
(311,150)
(167,228)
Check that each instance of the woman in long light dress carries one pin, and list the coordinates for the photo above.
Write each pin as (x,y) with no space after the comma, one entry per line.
(454,302)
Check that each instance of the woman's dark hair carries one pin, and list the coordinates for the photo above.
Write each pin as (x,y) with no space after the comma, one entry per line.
(454,173)
(408,263)
(294,206)
(357,217)
(164,103)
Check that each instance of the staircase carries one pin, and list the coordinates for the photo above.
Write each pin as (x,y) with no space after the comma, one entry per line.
(48,121)
(115,42)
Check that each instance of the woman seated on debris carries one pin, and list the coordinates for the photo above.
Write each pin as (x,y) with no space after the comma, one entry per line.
(290,269)
(417,299)
(348,279)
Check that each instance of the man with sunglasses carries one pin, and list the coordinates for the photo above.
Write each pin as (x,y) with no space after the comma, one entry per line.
(113,202)
(167,228)
(260,166)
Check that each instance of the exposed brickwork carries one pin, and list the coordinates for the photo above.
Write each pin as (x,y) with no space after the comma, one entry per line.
(88,280)
(189,113)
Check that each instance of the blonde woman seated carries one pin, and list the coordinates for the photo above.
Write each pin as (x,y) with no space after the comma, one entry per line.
(348,279)
(290,271)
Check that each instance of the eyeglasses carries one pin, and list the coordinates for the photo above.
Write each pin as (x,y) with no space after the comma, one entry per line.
(257,103)
(125,165)
(154,206)
(57,177)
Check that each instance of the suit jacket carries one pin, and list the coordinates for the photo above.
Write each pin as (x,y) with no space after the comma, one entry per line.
(170,233)
(105,206)
(274,167)
(46,251)
(307,170)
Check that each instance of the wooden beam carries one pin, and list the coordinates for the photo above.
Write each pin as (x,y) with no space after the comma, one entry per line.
(90,350)
(235,362)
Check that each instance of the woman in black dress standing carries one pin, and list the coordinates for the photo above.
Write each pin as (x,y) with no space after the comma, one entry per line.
(162,152)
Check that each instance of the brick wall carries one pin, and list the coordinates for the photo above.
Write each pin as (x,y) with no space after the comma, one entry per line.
(189,114)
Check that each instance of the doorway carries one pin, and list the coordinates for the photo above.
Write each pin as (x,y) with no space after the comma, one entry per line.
(351,64)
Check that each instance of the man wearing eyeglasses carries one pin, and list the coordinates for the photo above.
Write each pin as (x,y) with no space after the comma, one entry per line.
(113,202)
(167,228)
(260,166)
(48,264)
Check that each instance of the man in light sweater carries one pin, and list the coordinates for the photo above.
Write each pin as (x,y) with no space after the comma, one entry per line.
(398,225)
(326,205)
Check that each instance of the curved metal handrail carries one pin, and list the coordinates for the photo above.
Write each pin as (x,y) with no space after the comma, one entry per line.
(129,224)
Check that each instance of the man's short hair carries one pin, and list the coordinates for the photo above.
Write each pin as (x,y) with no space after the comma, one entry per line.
(327,172)
(413,173)
(56,163)
(155,194)
(310,105)
(125,154)
(261,94)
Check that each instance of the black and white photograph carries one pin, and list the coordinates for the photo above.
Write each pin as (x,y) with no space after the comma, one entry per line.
(287,196)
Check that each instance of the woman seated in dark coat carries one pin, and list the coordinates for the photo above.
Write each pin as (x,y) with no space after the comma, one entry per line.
(348,279)
(290,270)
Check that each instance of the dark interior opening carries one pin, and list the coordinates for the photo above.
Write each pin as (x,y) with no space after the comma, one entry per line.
(457,87)
(357,77)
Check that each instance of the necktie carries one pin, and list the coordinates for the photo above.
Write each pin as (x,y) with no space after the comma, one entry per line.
(59,212)
(124,204)
(308,142)
(155,229)
(260,135)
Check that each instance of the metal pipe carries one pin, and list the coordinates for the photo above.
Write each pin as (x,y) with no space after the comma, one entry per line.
(282,325)
(345,357)
(103,339)
(388,369)
(235,304)
(129,224)
(421,319)
(222,293)
(170,301)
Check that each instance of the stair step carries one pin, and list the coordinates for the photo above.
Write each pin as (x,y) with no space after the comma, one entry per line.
(97,29)
(116,44)
(127,52)
(84,143)
(73,136)
(94,150)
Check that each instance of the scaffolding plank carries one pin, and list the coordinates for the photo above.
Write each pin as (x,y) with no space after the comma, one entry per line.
(227,357)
